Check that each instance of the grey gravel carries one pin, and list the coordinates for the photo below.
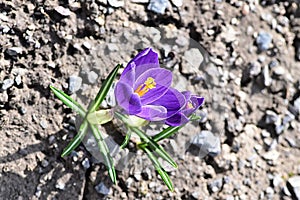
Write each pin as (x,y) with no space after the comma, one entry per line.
(7,83)
(74,83)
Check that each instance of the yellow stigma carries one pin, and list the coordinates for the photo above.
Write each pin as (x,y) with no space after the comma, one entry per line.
(146,86)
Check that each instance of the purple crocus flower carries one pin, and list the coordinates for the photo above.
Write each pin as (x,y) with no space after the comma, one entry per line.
(144,89)
(182,117)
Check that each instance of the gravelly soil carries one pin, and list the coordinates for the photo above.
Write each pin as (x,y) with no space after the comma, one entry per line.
(252,96)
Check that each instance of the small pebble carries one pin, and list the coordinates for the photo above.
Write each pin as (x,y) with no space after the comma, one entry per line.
(290,141)
(271,117)
(278,70)
(23,110)
(86,45)
(116,3)
(267,77)
(271,155)
(44,124)
(277,180)
(297,105)
(152,184)
(92,77)
(263,41)
(158,6)
(18,80)
(86,163)
(112,47)
(245,9)
(177,3)
(269,193)
(294,183)
(13,51)
(7,83)
(195,195)
(74,83)
(101,188)
(140,1)
(207,143)
(45,163)
(60,185)
(129,182)
(216,185)
(63,11)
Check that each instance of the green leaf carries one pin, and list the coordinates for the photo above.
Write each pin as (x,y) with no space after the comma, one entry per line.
(104,89)
(163,174)
(127,139)
(155,147)
(71,103)
(166,133)
(108,161)
(76,140)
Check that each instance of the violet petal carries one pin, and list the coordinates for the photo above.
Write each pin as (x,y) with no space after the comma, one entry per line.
(177,120)
(145,59)
(153,113)
(129,76)
(173,100)
(127,99)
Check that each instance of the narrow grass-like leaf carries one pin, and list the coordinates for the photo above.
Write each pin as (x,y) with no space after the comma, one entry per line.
(76,140)
(71,103)
(155,147)
(108,161)
(166,133)
(126,140)
(163,174)
(104,89)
